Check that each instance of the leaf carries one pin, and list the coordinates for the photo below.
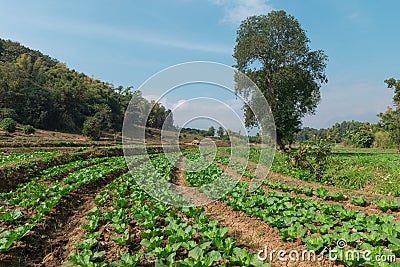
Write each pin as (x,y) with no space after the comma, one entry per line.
(211,258)
(196,253)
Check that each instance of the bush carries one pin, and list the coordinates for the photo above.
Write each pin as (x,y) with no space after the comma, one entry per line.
(92,128)
(363,138)
(312,158)
(9,125)
(382,140)
(29,129)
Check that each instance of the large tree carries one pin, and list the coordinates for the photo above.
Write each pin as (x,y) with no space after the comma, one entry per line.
(390,120)
(273,50)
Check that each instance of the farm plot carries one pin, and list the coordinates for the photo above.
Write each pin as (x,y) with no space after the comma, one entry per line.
(89,213)
(23,168)
(127,228)
(14,158)
(355,199)
(317,225)
(85,213)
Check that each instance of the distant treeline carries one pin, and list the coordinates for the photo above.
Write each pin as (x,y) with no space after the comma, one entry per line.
(351,133)
(196,132)
(38,90)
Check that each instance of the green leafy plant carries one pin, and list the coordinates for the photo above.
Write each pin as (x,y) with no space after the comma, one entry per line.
(385,205)
(127,260)
(323,193)
(312,157)
(359,201)
(29,129)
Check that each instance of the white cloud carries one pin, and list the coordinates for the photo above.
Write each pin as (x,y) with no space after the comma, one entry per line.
(95,30)
(180,104)
(238,10)
(227,113)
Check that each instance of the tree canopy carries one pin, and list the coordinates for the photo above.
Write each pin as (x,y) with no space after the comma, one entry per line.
(390,120)
(273,50)
(395,85)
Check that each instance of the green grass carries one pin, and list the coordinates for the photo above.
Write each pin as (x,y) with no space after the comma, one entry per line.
(352,150)
(377,172)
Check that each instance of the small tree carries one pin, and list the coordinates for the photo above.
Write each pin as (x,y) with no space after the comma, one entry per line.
(9,125)
(8,113)
(211,131)
(101,121)
(382,140)
(92,128)
(363,138)
(220,132)
(29,129)
(312,157)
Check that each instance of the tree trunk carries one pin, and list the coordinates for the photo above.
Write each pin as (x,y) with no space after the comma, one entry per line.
(279,144)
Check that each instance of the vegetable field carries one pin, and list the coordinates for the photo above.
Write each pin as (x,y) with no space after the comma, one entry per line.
(87,208)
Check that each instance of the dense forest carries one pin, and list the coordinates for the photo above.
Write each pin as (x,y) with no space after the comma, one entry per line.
(38,90)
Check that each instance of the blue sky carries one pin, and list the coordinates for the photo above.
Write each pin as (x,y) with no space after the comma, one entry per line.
(126,42)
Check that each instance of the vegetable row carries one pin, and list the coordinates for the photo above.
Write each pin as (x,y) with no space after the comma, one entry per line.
(146,231)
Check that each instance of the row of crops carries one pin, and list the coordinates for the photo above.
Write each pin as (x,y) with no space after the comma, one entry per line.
(14,158)
(142,230)
(22,209)
(127,227)
(318,225)
(150,232)
(383,204)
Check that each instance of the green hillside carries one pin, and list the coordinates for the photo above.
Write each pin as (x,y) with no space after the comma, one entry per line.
(38,90)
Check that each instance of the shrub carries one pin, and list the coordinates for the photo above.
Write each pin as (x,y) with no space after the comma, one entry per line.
(29,129)
(312,158)
(382,140)
(9,125)
(92,128)
(363,138)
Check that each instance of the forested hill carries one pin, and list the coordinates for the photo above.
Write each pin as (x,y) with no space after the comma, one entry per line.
(38,90)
